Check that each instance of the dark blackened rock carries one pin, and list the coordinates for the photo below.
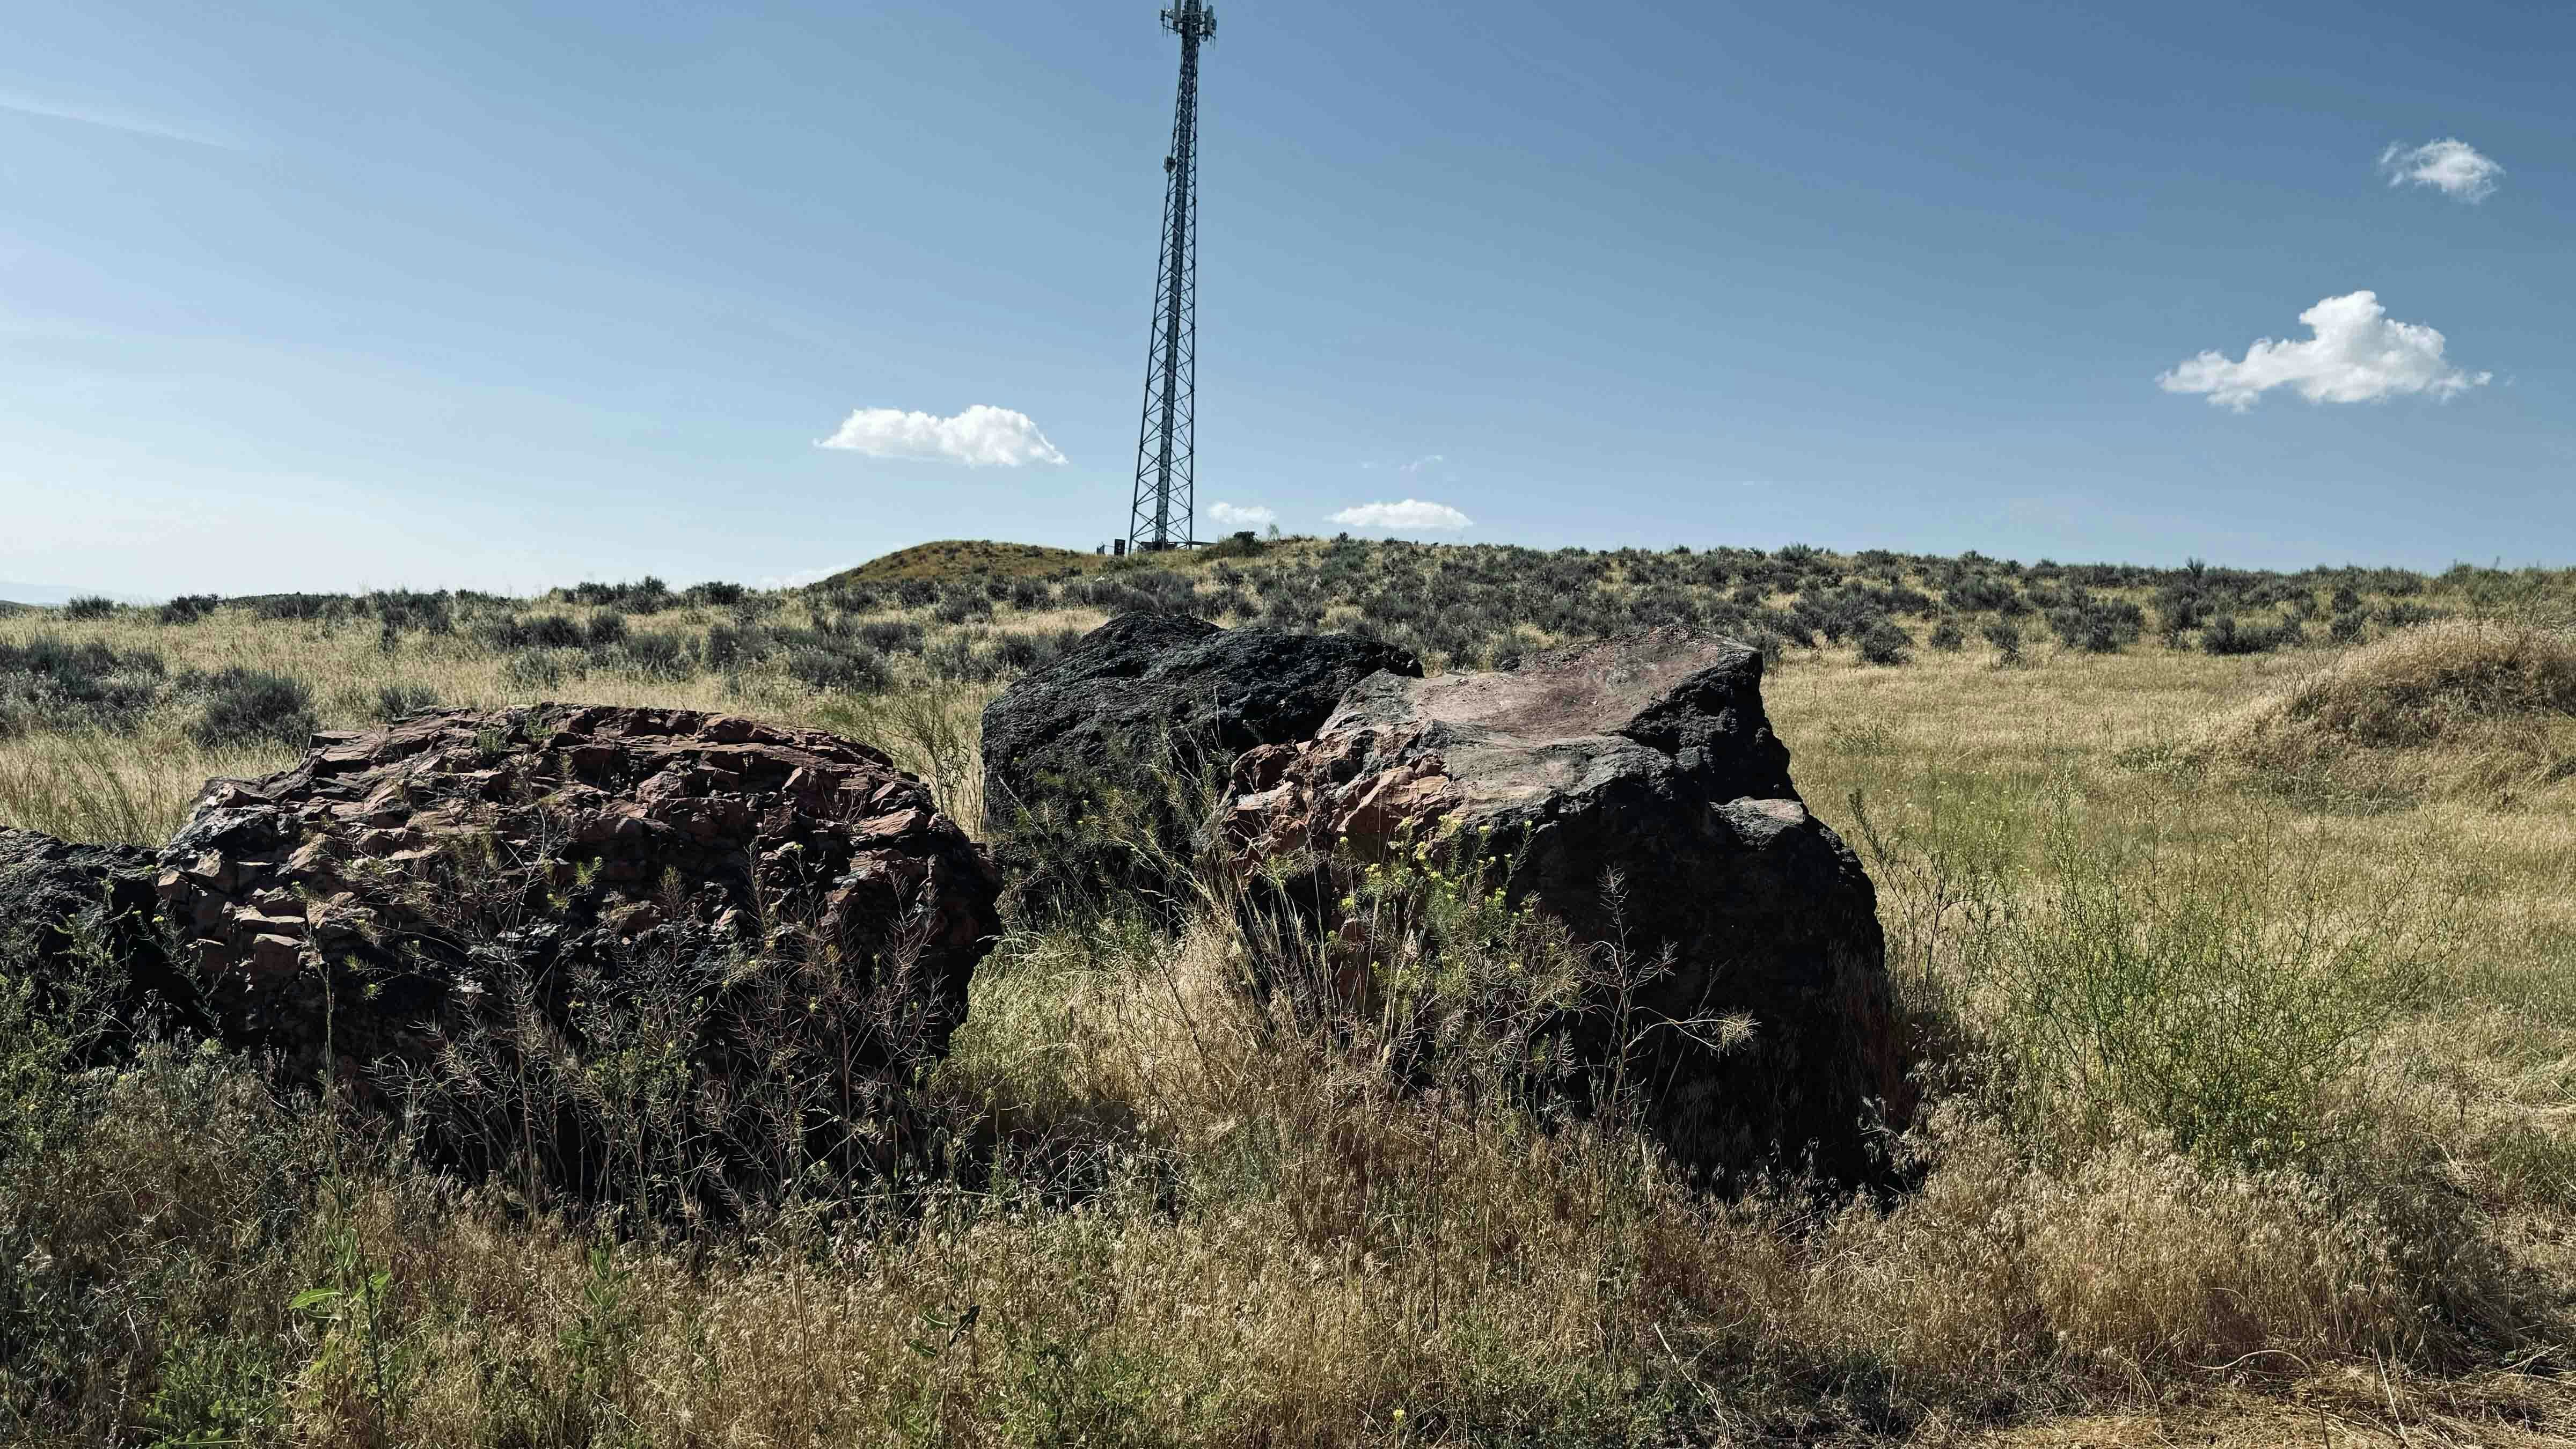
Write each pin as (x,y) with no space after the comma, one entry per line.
(84,914)
(1099,769)
(404,886)
(1650,760)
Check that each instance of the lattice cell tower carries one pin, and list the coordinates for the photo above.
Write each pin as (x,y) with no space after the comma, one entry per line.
(1166,472)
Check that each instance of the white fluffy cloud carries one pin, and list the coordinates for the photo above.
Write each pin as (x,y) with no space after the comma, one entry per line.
(2455,167)
(2357,355)
(1231,516)
(1410,516)
(979,437)
(799,578)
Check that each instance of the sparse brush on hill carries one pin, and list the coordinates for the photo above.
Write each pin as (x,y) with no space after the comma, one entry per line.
(50,683)
(188,608)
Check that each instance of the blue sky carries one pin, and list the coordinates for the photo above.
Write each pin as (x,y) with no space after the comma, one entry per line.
(352,295)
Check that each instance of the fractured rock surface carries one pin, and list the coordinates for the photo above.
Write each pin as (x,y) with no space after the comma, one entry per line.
(393,882)
(1650,758)
(1141,702)
(60,900)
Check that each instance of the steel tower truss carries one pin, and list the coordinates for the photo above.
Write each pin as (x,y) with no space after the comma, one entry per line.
(1160,515)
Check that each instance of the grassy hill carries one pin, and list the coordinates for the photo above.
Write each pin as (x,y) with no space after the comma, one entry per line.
(957,558)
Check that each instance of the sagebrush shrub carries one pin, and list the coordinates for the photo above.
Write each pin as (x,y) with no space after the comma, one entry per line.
(51,683)
(394,701)
(253,706)
(1885,642)
(538,668)
(299,606)
(647,595)
(555,631)
(962,605)
(2224,635)
(732,646)
(854,668)
(892,636)
(89,606)
(2096,625)
(187,609)
(403,611)
(658,654)
(850,598)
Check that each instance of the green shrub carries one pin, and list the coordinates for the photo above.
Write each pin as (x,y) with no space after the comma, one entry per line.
(2096,625)
(555,631)
(732,646)
(187,608)
(647,595)
(89,606)
(298,606)
(2223,636)
(540,668)
(855,668)
(958,608)
(1885,642)
(51,684)
(1022,653)
(253,706)
(393,701)
(961,657)
(659,654)
(402,610)
(892,636)
(2224,997)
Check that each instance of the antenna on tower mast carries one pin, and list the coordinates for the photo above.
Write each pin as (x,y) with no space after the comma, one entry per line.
(1159,517)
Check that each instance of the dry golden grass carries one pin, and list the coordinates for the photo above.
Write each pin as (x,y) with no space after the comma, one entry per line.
(2478,707)
(1177,1224)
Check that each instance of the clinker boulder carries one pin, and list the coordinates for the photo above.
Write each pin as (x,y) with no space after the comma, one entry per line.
(1650,759)
(1145,706)
(395,883)
(81,917)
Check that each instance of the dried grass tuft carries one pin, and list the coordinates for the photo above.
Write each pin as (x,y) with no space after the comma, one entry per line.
(2453,707)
